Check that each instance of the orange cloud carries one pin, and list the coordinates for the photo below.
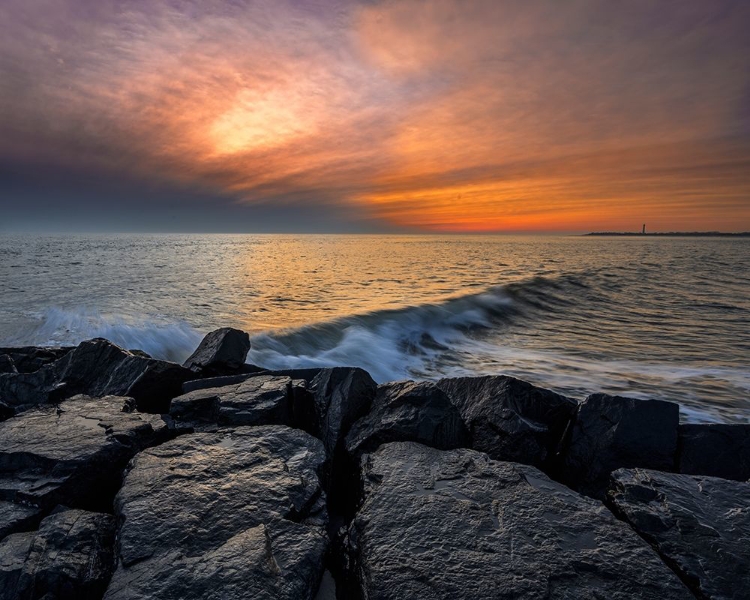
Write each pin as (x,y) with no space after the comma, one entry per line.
(436,115)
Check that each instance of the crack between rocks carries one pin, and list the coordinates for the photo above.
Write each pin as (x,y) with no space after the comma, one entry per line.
(671,564)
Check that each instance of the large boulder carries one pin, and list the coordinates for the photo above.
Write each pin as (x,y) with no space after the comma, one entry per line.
(612,432)
(69,558)
(510,419)
(221,352)
(699,525)
(98,368)
(337,398)
(406,411)
(718,450)
(238,513)
(73,454)
(259,400)
(455,524)
(28,359)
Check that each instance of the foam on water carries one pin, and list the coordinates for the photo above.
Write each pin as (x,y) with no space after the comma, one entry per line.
(56,326)
(456,338)
(666,319)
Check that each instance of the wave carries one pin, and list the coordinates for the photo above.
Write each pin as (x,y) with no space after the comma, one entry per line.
(414,342)
(56,326)
(392,344)
(483,333)
(423,342)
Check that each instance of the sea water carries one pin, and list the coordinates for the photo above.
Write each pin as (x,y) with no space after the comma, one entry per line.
(665,318)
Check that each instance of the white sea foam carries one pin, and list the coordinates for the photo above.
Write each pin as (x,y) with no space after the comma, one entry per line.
(462,336)
(61,327)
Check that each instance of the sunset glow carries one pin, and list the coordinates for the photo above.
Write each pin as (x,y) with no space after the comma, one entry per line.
(435,116)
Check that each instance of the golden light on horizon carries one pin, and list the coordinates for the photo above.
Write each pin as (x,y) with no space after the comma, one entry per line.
(497,117)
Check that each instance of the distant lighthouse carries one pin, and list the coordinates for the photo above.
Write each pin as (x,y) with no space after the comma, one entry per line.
(643,231)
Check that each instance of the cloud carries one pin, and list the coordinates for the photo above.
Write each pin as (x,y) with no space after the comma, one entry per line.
(435,114)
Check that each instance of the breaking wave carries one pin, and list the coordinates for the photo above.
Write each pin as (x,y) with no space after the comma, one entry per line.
(61,327)
(483,333)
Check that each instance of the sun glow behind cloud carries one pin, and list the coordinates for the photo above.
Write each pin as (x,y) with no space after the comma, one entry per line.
(261,121)
(439,115)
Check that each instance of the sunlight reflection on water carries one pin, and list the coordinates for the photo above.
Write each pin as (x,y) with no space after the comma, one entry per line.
(665,318)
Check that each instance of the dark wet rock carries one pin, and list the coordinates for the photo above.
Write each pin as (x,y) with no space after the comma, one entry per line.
(24,390)
(238,513)
(327,589)
(221,352)
(256,401)
(72,454)
(17,517)
(7,365)
(305,374)
(214,382)
(98,368)
(611,432)
(510,419)
(248,371)
(69,558)
(406,411)
(718,450)
(455,524)
(31,358)
(338,397)
(6,412)
(699,525)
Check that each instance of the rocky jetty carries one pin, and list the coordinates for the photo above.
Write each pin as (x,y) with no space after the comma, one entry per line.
(123,476)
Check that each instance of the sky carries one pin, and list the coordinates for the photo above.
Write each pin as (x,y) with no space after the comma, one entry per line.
(374,116)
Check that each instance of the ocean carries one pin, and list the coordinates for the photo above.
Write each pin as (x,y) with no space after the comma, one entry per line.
(665,318)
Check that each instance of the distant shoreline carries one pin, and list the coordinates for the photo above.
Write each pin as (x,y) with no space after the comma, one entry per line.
(743,234)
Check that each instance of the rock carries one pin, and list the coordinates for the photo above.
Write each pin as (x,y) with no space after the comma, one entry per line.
(406,411)
(7,365)
(214,382)
(612,432)
(699,525)
(24,390)
(455,524)
(337,398)
(220,352)
(73,454)
(239,513)
(31,358)
(256,401)
(510,419)
(98,368)
(6,412)
(305,374)
(717,450)
(69,558)
(15,518)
